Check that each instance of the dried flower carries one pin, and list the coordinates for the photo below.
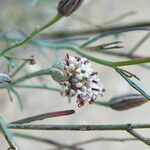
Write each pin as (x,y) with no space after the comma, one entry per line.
(5,78)
(31,60)
(67,7)
(127,101)
(80,80)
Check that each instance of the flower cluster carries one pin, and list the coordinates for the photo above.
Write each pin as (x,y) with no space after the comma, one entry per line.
(82,82)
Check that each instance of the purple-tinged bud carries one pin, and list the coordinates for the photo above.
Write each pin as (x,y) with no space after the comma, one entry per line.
(5,78)
(67,7)
(127,101)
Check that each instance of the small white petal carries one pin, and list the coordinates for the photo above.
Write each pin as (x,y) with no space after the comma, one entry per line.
(78,85)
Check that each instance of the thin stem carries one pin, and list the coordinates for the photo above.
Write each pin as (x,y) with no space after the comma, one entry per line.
(18,69)
(20,100)
(16,58)
(119,18)
(7,135)
(98,60)
(128,127)
(46,141)
(131,62)
(139,43)
(34,74)
(120,54)
(101,139)
(139,136)
(36,86)
(32,34)
(105,139)
(102,103)
(136,87)
(114,20)
(77,127)
(132,26)
(112,53)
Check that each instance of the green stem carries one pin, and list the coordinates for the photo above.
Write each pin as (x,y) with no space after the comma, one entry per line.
(34,74)
(140,43)
(46,141)
(79,51)
(131,62)
(18,69)
(36,86)
(139,136)
(132,83)
(7,135)
(16,58)
(32,34)
(102,103)
(98,60)
(77,127)
(128,27)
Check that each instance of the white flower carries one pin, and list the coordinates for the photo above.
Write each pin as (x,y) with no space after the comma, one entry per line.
(81,81)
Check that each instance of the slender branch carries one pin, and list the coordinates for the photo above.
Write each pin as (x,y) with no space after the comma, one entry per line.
(105,139)
(20,100)
(131,62)
(120,54)
(139,136)
(140,43)
(76,127)
(98,60)
(131,26)
(103,103)
(101,139)
(136,87)
(32,34)
(88,56)
(34,74)
(46,141)
(18,69)
(119,18)
(40,86)
(7,135)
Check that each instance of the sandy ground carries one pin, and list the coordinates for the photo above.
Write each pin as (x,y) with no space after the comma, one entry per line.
(42,101)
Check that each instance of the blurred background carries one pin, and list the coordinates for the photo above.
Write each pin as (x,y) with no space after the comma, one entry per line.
(20,17)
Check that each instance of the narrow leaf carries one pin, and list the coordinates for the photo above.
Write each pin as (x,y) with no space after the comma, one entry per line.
(44,116)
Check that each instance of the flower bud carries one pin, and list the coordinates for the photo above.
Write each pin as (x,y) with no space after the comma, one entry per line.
(67,7)
(127,101)
(5,78)
(57,73)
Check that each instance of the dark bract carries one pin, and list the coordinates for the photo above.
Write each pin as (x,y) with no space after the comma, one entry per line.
(67,7)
